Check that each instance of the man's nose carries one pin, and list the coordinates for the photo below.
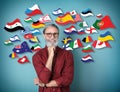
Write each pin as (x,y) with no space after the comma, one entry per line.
(52,36)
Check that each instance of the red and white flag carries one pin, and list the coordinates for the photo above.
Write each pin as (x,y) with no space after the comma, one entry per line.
(70,30)
(90,30)
(99,44)
(45,19)
(23,60)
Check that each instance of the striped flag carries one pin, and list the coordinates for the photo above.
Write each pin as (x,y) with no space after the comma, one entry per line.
(37,24)
(83,24)
(87,49)
(8,43)
(14,26)
(87,13)
(87,58)
(14,38)
(105,37)
(35,32)
(32,11)
(81,31)
(13,55)
(87,39)
(28,20)
(65,19)
(75,44)
(57,12)
(70,30)
(99,44)
(99,15)
(34,40)
(36,47)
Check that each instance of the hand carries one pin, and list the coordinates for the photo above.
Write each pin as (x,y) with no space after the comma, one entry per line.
(38,82)
(51,50)
(52,83)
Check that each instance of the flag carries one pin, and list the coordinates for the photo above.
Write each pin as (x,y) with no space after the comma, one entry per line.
(99,15)
(105,37)
(87,39)
(81,31)
(83,24)
(73,13)
(66,47)
(87,49)
(57,12)
(28,36)
(32,11)
(23,60)
(75,16)
(19,49)
(87,13)
(45,19)
(37,24)
(87,58)
(99,44)
(14,38)
(67,40)
(65,19)
(28,20)
(34,39)
(14,26)
(35,32)
(70,30)
(35,48)
(8,42)
(104,23)
(90,30)
(13,55)
(75,44)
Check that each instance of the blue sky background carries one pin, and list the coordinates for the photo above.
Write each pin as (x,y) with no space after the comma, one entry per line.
(102,75)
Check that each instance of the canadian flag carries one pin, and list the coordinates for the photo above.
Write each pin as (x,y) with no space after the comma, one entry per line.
(23,60)
(99,44)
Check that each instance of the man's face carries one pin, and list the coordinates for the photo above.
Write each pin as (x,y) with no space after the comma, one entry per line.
(51,36)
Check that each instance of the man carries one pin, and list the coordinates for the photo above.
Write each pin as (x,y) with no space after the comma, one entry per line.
(54,66)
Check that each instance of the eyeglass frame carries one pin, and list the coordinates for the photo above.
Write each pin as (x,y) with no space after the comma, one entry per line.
(50,34)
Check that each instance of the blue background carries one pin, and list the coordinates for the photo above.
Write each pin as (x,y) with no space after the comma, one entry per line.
(103,75)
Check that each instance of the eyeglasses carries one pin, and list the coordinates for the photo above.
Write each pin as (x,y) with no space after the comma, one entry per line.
(50,34)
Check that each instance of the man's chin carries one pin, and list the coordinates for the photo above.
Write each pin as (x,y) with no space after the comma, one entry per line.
(51,44)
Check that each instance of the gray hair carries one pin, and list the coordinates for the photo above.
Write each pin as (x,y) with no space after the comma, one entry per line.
(52,25)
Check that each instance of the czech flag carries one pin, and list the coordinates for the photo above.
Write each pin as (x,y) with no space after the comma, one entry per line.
(34,10)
